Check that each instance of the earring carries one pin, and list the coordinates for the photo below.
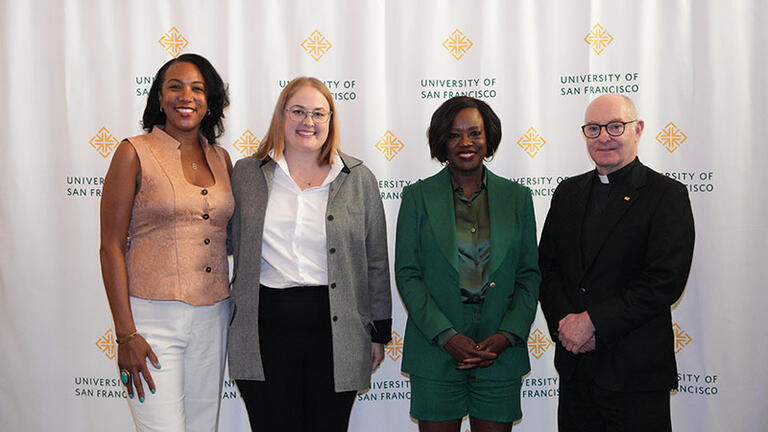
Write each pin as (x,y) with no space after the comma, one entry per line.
(209,111)
(161,110)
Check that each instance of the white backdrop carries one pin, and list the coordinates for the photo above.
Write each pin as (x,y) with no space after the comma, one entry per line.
(75,76)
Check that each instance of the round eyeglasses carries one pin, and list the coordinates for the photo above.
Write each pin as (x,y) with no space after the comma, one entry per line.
(614,128)
(317,116)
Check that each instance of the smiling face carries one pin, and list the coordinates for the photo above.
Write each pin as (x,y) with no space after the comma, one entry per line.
(611,153)
(305,135)
(466,148)
(183,98)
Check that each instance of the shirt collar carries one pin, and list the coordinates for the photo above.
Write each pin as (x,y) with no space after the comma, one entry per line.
(618,175)
(457,188)
(336,167)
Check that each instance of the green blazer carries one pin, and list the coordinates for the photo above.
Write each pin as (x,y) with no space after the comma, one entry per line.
(426,272)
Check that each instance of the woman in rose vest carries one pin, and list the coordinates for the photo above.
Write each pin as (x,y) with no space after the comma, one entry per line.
(164,212)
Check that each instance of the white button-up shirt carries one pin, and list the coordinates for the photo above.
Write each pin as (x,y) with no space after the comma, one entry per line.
(293,251)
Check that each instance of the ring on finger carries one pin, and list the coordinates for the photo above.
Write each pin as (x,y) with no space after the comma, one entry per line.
(125,376)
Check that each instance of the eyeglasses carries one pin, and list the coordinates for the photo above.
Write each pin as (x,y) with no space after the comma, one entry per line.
(317,116)
(615,128)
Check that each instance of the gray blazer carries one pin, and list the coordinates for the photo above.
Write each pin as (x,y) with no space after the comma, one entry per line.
(358,270)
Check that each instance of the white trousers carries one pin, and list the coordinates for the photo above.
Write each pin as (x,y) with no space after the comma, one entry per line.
(190,343)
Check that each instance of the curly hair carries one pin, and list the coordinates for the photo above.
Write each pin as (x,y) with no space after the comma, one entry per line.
(216,93)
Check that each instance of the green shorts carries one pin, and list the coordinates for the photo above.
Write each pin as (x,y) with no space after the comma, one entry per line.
(442,400)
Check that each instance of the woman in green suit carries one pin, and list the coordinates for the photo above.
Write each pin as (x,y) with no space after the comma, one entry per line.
(466,268)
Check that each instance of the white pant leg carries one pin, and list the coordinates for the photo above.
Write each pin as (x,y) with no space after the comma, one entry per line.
(162,324)
(204,366)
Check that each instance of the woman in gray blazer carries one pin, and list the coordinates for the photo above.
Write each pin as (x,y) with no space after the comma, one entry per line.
(311,298)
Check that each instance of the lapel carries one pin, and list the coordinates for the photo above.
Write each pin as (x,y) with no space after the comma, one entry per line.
(335,185)
(620,201)
(438,203)
(501,213)
(267,167)
(166,152)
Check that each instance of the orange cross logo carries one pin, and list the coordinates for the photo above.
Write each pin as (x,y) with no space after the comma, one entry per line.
(394,348)
(538,343)
(598,39)
(316,45)
(531,142)
(681,338)
(671,137)
(106,344)
(389,145)
(457,44)
(104,142)
(247,144)
(173,42)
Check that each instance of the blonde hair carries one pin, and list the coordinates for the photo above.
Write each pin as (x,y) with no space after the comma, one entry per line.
(274,141)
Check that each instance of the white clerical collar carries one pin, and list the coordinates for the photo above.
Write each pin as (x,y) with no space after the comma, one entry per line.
(603,178)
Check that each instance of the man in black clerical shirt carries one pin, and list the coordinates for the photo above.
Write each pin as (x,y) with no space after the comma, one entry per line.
(615,254)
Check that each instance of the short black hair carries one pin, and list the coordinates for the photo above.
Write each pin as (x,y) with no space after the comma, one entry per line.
(442,121)
(216,93)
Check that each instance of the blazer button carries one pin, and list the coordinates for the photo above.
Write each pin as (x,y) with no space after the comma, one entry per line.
(332,250)
(333,285)
(582,290)
(335,318)
(207,269)
(330,217)
(204,192)
(207,241)
(205,216)
(492,284)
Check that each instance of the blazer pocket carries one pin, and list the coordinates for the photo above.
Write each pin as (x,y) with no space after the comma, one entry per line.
(354,225)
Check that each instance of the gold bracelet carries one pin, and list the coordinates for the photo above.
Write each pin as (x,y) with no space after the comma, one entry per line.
(128,338)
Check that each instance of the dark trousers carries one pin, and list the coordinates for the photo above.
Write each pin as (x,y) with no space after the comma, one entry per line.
(586,407)
(297,354)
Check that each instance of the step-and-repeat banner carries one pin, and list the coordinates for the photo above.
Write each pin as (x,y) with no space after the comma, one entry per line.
(75,77)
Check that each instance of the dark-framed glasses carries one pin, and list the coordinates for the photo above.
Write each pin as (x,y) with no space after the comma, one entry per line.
(614,128)
(297,114)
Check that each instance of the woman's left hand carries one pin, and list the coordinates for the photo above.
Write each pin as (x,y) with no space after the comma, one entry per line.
(377,354)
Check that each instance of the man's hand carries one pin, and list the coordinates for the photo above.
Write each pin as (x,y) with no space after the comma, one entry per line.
(588,346)
(575,330)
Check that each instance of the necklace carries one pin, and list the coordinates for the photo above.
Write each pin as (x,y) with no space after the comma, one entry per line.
(194,166)
(313,179)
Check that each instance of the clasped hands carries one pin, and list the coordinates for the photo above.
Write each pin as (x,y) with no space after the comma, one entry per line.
(577,333)
(469,354)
